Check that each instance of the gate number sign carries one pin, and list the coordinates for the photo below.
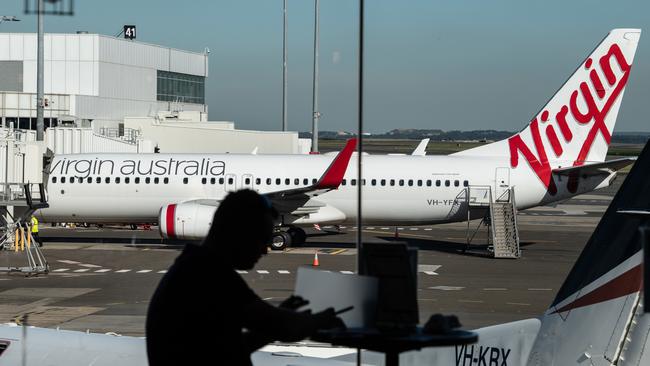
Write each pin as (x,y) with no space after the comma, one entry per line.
(129,31)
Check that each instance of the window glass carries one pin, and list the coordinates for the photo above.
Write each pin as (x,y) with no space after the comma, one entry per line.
(127,180)
(221,180)
(63,179)
(268,181)
(212,180)
(465,183)
(185,180)
(344,182)
(456,183)
(53,179)
(107,180)
(156,180)
(305,181)
(117,180)
(437,182)
(287,181)
(247,181)
(183,88)
(278,181)
(147,180)
(166,180)
(230,181)
(428,182)
(363,182)
(392,182)
(89,180)
(410,182)
(296,181)
(71,179)
(401,182)
(258,181)
(447,183)
(353,182)
(314,181)
(373,182)
(204,180)
(383,182)
(419,182)
(137,180)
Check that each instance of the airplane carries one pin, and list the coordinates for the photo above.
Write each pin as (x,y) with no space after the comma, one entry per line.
(596,318)
(559,154)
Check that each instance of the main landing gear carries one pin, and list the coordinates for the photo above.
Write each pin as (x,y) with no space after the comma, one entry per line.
(286,237)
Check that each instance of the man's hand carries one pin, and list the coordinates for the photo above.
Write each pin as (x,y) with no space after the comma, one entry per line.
(293,303)
(327,319)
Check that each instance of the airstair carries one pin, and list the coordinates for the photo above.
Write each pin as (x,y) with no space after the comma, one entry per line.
(500,218)
(16,242)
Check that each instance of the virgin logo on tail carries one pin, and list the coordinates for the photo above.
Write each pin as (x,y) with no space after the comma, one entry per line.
(540,164)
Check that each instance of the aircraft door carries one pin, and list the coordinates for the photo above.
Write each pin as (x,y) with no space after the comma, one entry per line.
(231,183)
(247,181)
(502,184)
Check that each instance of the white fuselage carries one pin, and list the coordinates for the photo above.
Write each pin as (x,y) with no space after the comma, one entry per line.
(398,190)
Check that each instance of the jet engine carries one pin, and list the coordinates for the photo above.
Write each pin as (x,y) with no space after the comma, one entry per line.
(191,220)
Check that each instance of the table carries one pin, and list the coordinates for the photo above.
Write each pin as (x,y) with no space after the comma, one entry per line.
(391,343)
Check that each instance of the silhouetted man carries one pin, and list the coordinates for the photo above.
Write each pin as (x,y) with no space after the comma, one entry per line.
(204,313)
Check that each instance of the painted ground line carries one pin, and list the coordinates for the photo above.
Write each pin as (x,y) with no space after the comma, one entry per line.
(518,303)
(540,289)
(82,270)
(427,229)
(495,289)
(103,270)
(283,271)
(89,265)
(385,228)
(262,271)
(414,228)
(242,272)
(123,271)
(163,271)
(400,228)
(447,288)
(61,269)
(430,273)
(471,301)
(144,271)
(66,261)
(347,272)
(370,227)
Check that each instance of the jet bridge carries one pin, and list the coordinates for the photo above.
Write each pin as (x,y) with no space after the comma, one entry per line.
(500,218)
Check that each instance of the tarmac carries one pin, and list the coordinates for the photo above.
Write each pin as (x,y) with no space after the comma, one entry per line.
(101,280)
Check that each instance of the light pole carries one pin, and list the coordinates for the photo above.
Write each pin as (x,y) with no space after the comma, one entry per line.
(40,126)
(284,65)
(315,112)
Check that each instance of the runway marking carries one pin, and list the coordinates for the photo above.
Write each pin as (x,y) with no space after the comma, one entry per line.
(518,303)
(123,271)
(163,271)
(540,289)
(402,234)
(103,270)
(429,269)
(283,271)
(144,271)
(370,228)
(414,229)
(61,270)
(343,227)
(430,273)
(262,271)
(400,228)
(66,261)
(471,301)
(347,272)
(495,289)
(339,251)
(89,265)
(242,272)
(447,288)
(82,270)
(428,229)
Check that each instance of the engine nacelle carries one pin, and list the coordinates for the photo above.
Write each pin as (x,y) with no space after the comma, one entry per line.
(190,221)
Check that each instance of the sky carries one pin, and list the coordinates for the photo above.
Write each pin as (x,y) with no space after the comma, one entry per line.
(450,65)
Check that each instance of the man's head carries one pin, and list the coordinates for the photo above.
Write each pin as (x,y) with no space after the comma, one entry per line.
(243,226)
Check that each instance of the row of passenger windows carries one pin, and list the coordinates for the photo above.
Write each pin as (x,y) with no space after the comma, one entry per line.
(268,181)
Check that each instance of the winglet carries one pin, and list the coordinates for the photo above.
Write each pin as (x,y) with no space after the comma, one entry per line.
(421,150)
(333,176)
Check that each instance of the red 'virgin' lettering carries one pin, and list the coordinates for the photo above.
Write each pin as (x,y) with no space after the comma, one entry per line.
(541,166)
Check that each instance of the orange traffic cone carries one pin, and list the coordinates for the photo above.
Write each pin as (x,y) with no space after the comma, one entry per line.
(315,263)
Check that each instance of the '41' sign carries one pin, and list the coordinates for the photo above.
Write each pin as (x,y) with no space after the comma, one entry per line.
(129,31)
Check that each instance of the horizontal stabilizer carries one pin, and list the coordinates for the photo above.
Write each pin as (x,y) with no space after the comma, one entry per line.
(595,168)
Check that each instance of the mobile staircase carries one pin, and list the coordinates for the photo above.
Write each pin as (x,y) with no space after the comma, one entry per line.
(500,218)
(15,236)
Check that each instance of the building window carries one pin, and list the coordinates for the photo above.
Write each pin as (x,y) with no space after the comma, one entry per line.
(177,87)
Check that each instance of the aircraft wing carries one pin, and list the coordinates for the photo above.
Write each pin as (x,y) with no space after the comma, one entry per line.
(590,169)
(331,179)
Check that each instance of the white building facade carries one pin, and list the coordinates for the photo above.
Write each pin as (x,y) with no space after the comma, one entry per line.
(96,78)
